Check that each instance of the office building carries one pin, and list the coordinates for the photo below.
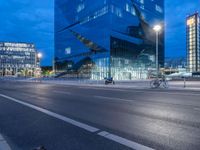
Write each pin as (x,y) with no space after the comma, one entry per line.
(107,38)
(193,43)
(17,59)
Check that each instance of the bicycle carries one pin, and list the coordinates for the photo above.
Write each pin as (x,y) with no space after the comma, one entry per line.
(158,82)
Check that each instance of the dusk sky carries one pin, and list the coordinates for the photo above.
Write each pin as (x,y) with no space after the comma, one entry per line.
(29,21)
(32,21)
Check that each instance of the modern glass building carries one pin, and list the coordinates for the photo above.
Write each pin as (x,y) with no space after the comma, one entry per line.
(107,38)
(193,43)
(17,58)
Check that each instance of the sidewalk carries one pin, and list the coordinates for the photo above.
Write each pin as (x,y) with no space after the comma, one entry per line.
(189,85)
(3,144)
(137,84)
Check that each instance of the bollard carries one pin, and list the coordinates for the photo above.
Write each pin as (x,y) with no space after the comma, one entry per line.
(184,82)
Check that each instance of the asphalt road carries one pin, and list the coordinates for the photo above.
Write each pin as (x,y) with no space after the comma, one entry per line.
(34,114)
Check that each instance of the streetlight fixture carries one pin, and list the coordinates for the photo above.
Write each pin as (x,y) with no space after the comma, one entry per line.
(39,55)
(38,61)
(157,29)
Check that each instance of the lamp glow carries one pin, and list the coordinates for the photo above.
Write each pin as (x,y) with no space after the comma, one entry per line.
(39,55)
(157,28)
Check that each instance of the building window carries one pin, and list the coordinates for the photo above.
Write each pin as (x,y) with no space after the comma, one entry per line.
(96,14)
(80,7)
(142,1)
(158,9)
(118,12)
(130,9)
(127,7)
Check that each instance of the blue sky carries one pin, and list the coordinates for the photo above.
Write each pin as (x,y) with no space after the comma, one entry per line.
(32,21)
(29,21)
(176,12)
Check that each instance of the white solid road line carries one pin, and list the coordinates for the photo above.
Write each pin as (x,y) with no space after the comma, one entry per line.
(62,92)
(124,141)
(3,144)
(144,91)
(63,118)
(89,128)
(101,88)
(113,98)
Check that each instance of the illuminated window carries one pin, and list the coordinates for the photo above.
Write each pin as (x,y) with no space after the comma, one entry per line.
(68,51)
(159,9)
(190,21)
(142,1)
(80,7)
(130,9)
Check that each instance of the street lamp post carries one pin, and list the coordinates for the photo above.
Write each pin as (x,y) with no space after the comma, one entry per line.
(39,56)
(53,67)
(157,29)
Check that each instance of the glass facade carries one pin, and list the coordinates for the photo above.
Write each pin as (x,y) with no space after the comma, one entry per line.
(193,43)
(17,57)
(108,38)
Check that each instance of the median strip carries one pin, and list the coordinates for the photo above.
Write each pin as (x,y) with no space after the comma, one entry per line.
(89,128)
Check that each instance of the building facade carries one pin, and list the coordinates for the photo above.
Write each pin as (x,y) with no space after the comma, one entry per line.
(17,59)
(193,43)
(175,62)
(108,38)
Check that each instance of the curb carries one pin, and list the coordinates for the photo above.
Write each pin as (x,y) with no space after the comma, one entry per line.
(3,144)
(123,86)
(129,86)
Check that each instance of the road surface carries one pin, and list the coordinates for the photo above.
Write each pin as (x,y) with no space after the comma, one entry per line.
(64,117)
